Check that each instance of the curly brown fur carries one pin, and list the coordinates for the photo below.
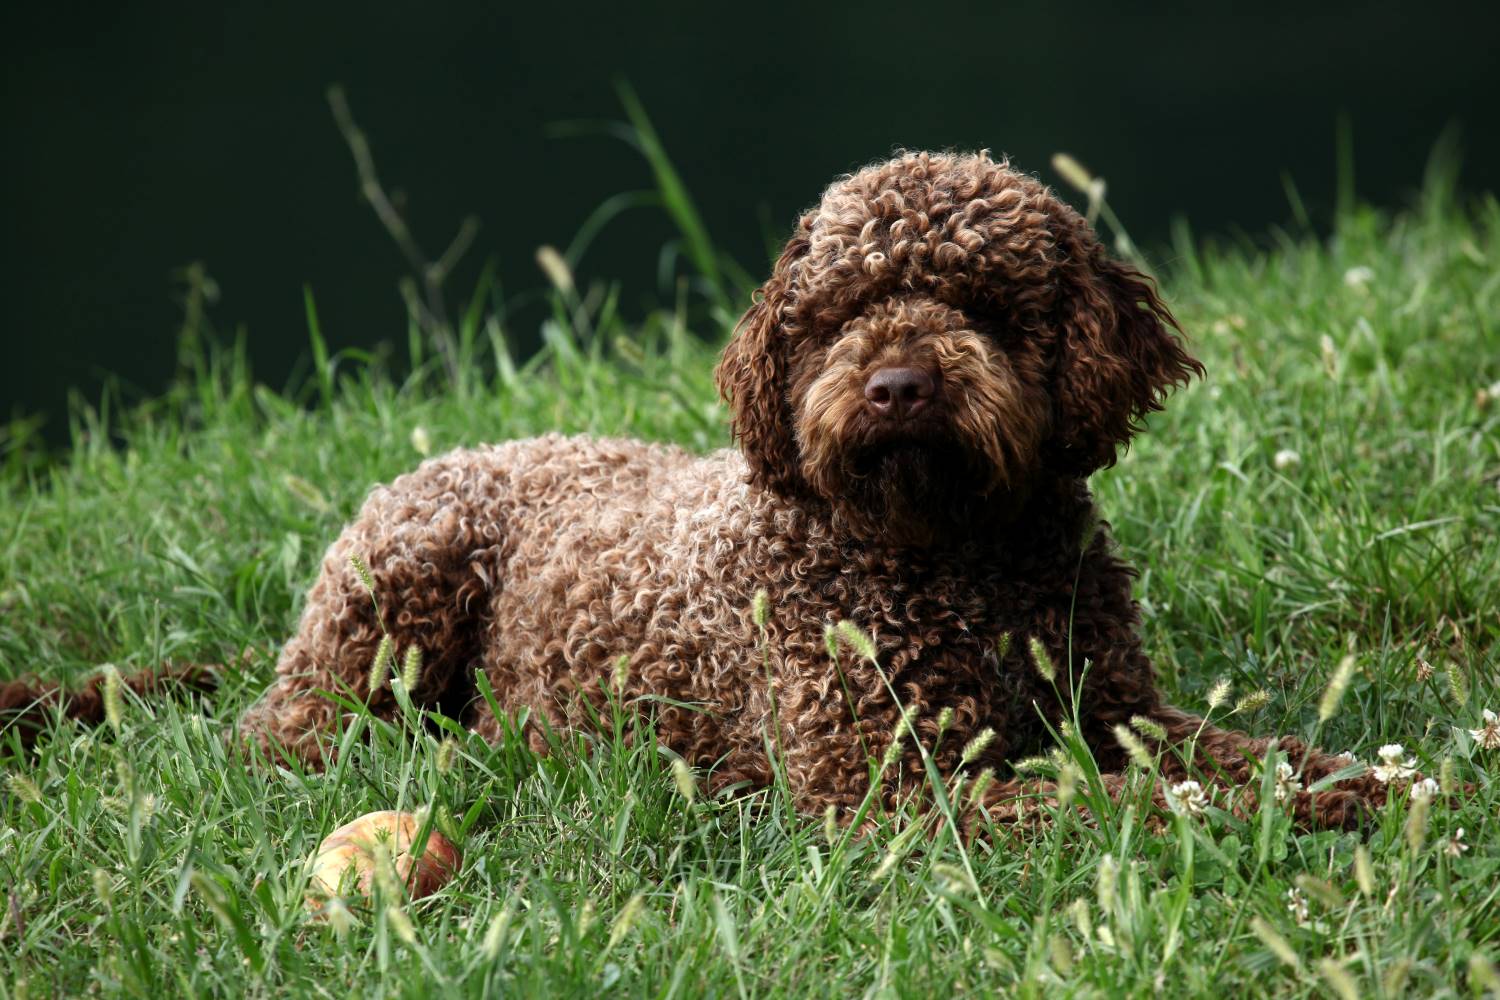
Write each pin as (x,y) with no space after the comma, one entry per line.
(940,357)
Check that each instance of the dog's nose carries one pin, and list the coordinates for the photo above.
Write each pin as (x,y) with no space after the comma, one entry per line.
(899,393)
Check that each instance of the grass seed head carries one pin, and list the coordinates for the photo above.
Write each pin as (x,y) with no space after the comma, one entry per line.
(1275,942)
(1321,890)
(1042,660)
(380,667)
(1364,871)
(861,642)
(1149,728)
(1067,783)
(1416,822)
(945,720)
(1219,693)
(980,786)
(496,933)
(887,863)
(625,919)
(1334,692)
(1133,746)
(1395,977)
(411,668)
(1458,684)
(831,824)
(384,869)
(340,920)
(1106,882)
(1032,765)
(1483,974)
(892,752)
(1070,170)
(362,570)
(24,789)
(114,700)
(446,752)
(1252,702)
(1002,645)
(952,877)
(760,608)
(682,777)
(556,268)
(1083,918)
(421,441)
(1061,954)
(1339,979)
(976,746)
(1330,356)
(397,920)
(585,919)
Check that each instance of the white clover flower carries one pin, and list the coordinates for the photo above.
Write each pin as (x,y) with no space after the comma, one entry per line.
(1455,845)
(1287,783)
(1391,766)
(1297,904)
(1488,735)
(1358,277)
(1426,789)
(1286,458)
(1186,798)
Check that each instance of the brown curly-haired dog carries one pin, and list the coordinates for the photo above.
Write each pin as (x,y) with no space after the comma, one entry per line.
(942,355)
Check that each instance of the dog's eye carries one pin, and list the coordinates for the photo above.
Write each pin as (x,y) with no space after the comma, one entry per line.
(996,329)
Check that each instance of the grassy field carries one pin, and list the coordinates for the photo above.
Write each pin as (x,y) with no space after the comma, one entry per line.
(1331,490)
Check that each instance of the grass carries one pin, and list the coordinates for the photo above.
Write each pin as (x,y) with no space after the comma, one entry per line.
(1329,491)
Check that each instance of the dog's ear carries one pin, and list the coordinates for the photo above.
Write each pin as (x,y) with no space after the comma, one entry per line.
(752,376)
(1119,353)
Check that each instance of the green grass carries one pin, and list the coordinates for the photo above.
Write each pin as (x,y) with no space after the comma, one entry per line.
(142,859)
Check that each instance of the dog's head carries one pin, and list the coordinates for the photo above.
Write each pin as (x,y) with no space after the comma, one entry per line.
(940,331)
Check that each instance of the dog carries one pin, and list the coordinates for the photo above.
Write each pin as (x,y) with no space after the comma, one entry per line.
(941,356)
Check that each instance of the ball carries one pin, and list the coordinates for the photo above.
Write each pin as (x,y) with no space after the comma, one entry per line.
(346,859)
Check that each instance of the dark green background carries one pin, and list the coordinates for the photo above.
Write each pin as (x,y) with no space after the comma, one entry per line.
(141,136)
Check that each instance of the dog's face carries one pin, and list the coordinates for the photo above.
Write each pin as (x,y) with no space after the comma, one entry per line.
(938,333)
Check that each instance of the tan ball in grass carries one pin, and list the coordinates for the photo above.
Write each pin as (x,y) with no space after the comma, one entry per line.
(346,860)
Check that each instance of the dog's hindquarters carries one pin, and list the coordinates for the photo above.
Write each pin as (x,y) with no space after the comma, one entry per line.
(416,565)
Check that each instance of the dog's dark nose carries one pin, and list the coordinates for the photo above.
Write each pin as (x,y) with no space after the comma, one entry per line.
(899,393)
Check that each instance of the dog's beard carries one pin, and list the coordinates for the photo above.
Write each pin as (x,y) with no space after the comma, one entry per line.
(912,490)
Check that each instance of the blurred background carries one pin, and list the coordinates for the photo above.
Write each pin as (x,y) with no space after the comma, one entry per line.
(144,137)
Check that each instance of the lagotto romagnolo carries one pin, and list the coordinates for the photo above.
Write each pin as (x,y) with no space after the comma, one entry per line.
(941,356)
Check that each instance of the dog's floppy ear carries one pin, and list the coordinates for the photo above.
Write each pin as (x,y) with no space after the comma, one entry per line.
(1119,353)
(753,375)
